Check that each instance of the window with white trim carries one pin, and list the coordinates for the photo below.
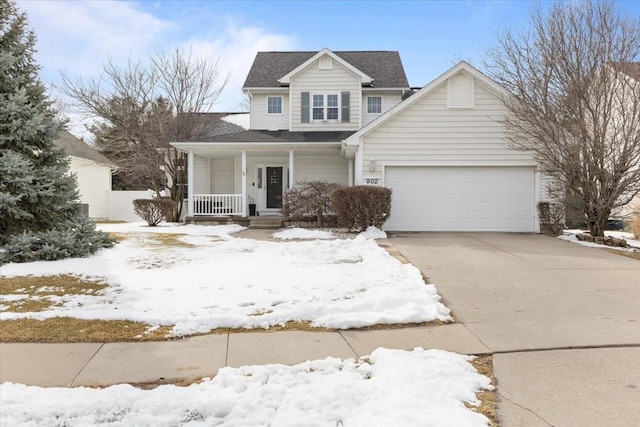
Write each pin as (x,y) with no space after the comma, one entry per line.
(325,107)
(274,105)
(374,105)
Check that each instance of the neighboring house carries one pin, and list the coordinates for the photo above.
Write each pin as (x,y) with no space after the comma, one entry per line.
(630,71)
(93,172)
(351,118)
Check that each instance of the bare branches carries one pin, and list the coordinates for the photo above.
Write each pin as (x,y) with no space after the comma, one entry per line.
(139,108)
(575,100)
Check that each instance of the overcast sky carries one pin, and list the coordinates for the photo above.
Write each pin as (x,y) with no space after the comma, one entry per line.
(77,37)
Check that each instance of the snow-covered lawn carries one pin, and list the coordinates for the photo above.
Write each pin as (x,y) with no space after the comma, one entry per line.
(389,388)
(214,280)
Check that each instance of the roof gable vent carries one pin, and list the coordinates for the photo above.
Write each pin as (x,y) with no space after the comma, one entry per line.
(325,63)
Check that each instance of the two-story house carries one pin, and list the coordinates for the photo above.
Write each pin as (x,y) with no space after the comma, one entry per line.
(352,118)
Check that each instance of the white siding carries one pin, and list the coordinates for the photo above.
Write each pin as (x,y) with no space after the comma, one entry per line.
(223,176)
(94,186)
(461,90)
(321,168)
(429,133)
(201,173)
(260,120)
(389,100)
(546,184)
(334,81)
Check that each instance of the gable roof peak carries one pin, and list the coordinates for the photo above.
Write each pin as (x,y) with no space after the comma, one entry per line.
(384,67)
(364,78)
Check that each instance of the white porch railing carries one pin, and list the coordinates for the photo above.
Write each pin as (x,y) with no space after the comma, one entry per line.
(217,204)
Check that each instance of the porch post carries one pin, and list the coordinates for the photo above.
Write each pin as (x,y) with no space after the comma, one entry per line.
(358,166)
(190,183)
(350,177)
(244,183)
(291,174)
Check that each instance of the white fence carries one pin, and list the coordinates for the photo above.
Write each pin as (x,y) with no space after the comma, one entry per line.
(121,204)
(217,204)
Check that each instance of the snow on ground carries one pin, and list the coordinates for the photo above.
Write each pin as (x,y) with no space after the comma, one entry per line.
(374,233)
(221,281)
(390,387)
(301,234)
(170,228)
(634,244)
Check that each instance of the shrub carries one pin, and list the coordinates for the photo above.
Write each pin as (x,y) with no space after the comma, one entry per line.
(75,239)
(153,210)
(551,217)
(311,200)
(361,206)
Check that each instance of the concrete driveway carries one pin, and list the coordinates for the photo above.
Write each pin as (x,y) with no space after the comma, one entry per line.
(562,320)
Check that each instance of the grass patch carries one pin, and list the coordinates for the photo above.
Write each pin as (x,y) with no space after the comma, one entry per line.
(160,240)
(38,293)
(489,399)
(70,330)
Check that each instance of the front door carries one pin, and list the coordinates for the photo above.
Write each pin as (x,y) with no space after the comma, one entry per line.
(274,187)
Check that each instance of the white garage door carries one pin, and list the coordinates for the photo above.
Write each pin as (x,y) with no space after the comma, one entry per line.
(461,198)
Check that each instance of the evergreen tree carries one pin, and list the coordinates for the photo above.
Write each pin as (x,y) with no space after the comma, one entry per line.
(39,212)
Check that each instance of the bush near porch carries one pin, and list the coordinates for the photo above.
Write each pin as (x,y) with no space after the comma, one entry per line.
(361,206)
(311,200)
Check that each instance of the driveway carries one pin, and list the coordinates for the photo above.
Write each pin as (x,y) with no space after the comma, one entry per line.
(562,320)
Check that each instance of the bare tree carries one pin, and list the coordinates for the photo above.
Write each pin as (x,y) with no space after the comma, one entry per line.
(141,107)
(575,101)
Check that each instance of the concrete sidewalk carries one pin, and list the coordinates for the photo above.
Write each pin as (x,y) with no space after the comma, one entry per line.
(91,364)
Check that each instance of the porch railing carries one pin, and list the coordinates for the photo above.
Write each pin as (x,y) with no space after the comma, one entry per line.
(217,204)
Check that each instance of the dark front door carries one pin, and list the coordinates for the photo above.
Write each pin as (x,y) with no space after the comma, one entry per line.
(274,187)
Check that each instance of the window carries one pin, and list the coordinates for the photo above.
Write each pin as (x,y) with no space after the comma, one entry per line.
(374,104)
(274,105)
(318,107)
(326,107)
(332,107)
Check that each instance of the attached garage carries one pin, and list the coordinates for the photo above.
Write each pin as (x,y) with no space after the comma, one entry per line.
(461,198)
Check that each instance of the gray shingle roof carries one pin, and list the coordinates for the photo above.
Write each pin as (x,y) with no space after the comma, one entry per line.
(277,136)
(76,147)
(385,67)
(214,125)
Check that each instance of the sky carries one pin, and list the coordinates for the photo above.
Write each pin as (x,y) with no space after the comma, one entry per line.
(77,37)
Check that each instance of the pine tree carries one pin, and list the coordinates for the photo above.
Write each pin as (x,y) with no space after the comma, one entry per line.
(39,211)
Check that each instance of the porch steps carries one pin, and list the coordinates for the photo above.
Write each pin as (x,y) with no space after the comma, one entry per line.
(266,222)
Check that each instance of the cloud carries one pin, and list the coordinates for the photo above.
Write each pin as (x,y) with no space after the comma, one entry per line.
(237,48)
(79,37)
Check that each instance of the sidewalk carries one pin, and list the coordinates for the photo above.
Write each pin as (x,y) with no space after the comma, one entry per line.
(98,364)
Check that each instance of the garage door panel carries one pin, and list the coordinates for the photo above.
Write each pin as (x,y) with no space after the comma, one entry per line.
(461,198)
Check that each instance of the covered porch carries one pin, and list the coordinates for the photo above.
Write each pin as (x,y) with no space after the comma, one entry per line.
(229,182)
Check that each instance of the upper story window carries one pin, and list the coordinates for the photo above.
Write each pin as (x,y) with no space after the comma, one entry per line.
(374,105)
(274,105)
(325,107)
